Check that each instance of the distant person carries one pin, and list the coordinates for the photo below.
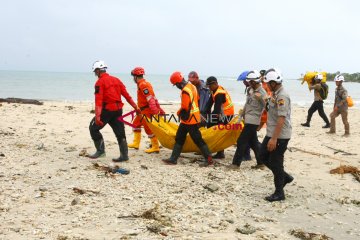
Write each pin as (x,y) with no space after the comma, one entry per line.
(318,104)
(223,110)
(203,91)
(340,106)
(149,106)
(189,114)
(278,134)
(254,106)
(108,108)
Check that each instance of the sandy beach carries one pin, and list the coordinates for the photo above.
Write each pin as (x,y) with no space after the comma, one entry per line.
(40,166)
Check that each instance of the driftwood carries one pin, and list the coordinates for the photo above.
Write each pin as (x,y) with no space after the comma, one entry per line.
(347,169)
(340,151)
(21,100)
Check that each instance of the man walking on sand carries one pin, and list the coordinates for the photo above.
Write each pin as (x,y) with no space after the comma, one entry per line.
(340,106)
(278,134)
(108,108)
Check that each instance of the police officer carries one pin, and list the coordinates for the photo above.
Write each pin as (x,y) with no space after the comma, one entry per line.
(189,114)
(340,106)
(149,106)
(318,104)
(108,108)
(254,106)
(278,134)
(223,110)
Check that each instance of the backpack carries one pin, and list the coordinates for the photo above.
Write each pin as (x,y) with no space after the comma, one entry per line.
(324,91)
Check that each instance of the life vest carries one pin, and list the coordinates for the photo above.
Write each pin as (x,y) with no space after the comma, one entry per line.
(228,106)
(194,117)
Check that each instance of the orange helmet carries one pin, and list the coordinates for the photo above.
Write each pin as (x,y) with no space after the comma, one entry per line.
(138,71)
(176,77)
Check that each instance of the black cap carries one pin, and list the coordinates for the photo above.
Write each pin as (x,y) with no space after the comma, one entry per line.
(211,80)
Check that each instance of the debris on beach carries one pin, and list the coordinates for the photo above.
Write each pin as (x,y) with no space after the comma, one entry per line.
(211,187)
(247,229)
(342,169)
(83,191)
(83,153)
(111,170)
(299,233)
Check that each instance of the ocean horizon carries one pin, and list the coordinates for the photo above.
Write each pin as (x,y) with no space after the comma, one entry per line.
(77,86)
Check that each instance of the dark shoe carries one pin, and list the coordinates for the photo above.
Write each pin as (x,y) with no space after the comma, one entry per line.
(275,197)
(169,162)
(100,149)
(123,147)
(97,154)
(288,179)
(219,155)
(305,124)
(258,166)
(326,126)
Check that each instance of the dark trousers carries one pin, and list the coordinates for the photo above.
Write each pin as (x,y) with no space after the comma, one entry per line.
(194,132)
(111,118)
(275,161)
(317,106)
(248,137)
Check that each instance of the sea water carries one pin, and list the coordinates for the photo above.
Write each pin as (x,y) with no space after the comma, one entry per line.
(65,86)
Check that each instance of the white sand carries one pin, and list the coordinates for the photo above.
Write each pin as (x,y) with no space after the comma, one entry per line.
(41,165)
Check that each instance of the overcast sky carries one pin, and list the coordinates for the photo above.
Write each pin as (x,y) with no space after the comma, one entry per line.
(214,37)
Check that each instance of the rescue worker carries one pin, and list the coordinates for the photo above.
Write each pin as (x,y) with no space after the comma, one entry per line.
(189,114)
(203,91)
(318,104)
(149,107)
(223,110)
(108,108)
(254,106)
(340,106)
(278,134)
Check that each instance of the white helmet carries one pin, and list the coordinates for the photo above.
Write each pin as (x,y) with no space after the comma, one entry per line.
(99,64)
(273,74)
(318,76)
(253,76)
(339,78)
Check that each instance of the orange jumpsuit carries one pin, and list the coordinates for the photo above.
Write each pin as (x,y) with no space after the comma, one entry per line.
(148,105)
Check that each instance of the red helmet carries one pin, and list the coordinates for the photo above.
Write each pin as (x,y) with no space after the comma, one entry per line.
(176,77)
(138,71)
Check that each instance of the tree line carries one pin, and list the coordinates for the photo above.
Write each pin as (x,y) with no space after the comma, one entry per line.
(349,77)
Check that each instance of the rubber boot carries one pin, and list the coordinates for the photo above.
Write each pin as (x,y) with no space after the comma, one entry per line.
(174,155)
(219,155)
(136,143)
(100,149)
(207,154)
(123,147)
(155,148)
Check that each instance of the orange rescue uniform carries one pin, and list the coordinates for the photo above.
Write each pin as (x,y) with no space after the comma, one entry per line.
(148,105)
(190,102)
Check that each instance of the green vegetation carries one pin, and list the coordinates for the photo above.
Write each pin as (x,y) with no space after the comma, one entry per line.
(349,77)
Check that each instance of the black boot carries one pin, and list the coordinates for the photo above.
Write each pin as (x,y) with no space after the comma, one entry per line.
(277,196)
(123,147)
(288,179)
(327,125)
(305,124)
(207,155)
(219,155)
(174,155)
(100,149)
